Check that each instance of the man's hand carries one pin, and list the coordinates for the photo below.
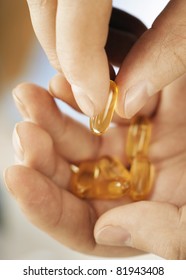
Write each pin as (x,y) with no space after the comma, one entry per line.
(75,34)
(48,142)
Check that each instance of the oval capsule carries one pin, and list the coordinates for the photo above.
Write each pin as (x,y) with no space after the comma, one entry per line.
(138,137)
(82,178)
(109,189)
(106,178)
(142,174)
(100,123)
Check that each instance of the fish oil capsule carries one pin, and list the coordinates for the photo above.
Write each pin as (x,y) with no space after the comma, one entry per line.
(106,178)
(108,189)
(100,188)
(82,178)
(138,137)
(142,174)
(112,179)
(112,168)
(100,123)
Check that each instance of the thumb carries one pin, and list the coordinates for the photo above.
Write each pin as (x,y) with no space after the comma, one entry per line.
(156,60)
(154,227)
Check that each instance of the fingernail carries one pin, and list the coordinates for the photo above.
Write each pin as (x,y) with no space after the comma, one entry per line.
(20,105)
(136,98)
(83,101)
(113,236)
(17,145)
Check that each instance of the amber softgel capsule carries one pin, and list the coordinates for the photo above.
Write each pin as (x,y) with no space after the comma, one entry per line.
(141,170)
(105,178)
(100,123)
(138,137)
(142,175)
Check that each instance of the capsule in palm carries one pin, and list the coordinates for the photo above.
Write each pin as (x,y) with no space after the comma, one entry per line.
(138,137)
(106,178)
(82,178)
(142,174)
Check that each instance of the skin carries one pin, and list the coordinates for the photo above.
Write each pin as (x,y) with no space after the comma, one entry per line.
(76,48)
(45,144)
(40,183)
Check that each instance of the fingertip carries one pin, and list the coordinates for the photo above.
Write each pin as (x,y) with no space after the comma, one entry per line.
(91,85)
(57,85)
(11,176)
(82,54)
(84,101)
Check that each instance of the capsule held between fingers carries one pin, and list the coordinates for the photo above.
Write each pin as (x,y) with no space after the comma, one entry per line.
(100,123)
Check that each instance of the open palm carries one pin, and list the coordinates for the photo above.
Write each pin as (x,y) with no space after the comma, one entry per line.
(48,141)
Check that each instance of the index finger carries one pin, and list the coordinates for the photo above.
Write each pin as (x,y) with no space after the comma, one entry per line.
(81,33)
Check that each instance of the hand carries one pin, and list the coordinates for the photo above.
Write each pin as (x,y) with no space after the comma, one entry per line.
(46,147)
(73,35)
(46,143)
(159,225)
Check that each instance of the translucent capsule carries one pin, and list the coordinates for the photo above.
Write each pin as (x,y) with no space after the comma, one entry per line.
(142,174)
(112,168)
(100,123)
(138,137)
(82,179)
(106,178)
(109,189)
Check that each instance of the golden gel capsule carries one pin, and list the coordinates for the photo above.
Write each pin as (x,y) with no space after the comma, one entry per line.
(82,179)
(97,179)
(100,123)
(138,137)
(108,189)
(142,174)
(112,168)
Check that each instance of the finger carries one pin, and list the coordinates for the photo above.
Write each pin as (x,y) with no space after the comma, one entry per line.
(35,148)
(157,59)
(61,89)
(43,17)
(64,130)
(61,128)
(153,227)
(53,210)
(57,212)
(81,33)
(173,94)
